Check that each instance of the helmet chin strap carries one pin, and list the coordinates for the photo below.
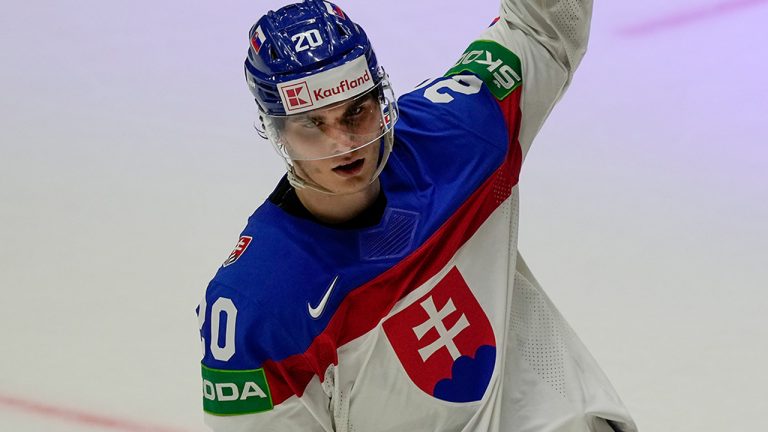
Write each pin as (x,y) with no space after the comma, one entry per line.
(299,182)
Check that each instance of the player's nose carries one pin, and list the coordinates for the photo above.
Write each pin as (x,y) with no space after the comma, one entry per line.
(344,141)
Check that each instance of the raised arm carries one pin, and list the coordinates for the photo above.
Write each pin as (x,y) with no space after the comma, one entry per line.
(534,48)
(560,26)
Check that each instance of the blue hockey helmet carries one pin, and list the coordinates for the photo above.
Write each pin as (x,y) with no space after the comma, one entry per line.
(310,61)
(300,41)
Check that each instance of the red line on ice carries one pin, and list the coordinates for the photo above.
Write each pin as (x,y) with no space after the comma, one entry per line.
(81,417)
(690,16)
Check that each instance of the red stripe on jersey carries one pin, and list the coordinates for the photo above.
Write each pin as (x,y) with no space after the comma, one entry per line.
(362,310)
(510,109)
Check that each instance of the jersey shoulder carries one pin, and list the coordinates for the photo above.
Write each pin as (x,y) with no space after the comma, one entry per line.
(281,271)
(451,136)
(454,107)
(263,279)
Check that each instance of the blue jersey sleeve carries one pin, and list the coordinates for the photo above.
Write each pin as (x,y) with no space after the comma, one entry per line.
(232,326)
(240,390)
(452,134)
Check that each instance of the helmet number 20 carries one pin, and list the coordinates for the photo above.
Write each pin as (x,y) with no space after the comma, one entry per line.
(308,39)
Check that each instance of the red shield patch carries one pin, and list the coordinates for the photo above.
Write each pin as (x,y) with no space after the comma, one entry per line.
(445,341)
(242,245)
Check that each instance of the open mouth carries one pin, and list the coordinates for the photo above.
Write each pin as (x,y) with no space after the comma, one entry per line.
(351,168)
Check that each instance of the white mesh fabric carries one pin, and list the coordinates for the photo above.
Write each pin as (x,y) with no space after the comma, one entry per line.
(538,334)
(561,26)
(553,352)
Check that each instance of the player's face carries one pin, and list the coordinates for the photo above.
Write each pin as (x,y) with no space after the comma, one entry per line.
(351,130)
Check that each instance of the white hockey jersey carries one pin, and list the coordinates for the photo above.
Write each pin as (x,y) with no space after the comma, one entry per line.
(429,321)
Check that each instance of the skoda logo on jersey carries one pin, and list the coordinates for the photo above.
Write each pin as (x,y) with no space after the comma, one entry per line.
(235,392)
(445,342)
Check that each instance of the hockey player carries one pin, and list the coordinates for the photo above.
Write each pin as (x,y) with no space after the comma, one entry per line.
(379,287)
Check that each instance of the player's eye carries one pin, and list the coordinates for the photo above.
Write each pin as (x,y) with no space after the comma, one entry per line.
(356,111)
(356,114)
(310,123)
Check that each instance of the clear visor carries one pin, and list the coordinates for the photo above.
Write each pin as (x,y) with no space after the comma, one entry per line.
(334,130)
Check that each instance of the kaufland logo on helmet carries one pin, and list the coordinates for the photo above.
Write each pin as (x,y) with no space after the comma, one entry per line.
(297,96)
(328,87)
(343,87)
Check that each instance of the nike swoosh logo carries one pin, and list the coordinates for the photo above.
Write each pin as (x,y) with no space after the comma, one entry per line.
(316,312)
